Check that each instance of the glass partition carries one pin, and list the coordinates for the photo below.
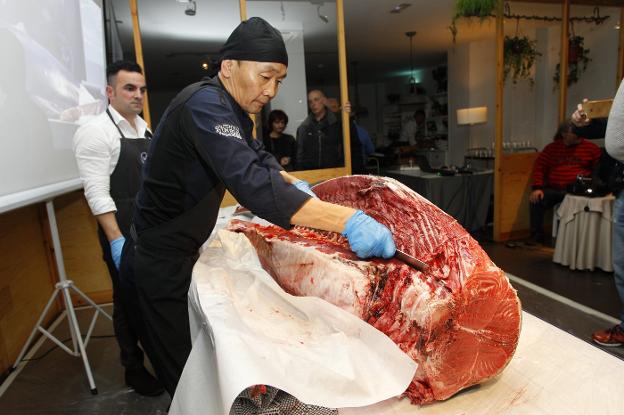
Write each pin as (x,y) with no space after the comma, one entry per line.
(308,94)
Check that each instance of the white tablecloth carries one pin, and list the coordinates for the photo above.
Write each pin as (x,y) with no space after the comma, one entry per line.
(246,330)
(584,232)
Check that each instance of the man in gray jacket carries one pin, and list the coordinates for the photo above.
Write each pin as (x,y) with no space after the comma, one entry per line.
(614,143)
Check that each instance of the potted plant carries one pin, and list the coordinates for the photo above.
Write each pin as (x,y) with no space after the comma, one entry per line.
(578,58)
(520,56)
(474,8)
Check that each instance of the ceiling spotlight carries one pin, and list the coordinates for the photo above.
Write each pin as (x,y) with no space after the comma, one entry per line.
(205,66)
(191,8)
(400,7)
(321,16)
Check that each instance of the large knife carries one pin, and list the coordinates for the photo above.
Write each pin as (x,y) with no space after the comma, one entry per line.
(415,263)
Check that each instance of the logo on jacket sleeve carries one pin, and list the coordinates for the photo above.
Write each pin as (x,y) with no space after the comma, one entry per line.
(228,130)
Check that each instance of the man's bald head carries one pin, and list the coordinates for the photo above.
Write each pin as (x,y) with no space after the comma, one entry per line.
(317,102)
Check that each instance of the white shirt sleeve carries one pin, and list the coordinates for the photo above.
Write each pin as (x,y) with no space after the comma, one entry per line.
(93,156)
(614,137)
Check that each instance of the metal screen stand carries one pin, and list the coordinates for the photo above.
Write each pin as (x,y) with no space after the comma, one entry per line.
(65,287)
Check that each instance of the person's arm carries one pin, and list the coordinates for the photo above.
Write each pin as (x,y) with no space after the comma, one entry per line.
(585,126)
(614,137)
(109,225)
(93,152)
(267,158)
(325,216)
(366,237)
(539,169)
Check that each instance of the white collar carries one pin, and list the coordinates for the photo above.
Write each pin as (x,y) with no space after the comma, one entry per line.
(140,123)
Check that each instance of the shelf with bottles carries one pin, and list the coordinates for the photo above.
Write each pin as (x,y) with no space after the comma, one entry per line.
(508,148)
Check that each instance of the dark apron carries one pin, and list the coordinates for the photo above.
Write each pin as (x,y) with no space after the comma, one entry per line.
(124,184)
(156,270)
(125,180)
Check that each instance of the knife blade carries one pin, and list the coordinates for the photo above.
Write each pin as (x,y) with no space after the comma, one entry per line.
(415,263)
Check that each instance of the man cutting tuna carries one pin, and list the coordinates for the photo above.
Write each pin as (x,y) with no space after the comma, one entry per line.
(203,146)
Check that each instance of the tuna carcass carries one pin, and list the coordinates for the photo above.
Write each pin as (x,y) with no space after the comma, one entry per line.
(460,320)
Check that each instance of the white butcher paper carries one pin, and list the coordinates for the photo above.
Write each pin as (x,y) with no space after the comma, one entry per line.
(246,331)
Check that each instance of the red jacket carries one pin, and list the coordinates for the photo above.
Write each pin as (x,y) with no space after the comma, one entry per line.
(558,165)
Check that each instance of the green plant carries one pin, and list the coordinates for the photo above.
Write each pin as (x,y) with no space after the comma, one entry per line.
(520,56)
(578,60)
(474,8)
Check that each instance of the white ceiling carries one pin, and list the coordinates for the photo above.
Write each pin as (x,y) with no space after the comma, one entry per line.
(173,42)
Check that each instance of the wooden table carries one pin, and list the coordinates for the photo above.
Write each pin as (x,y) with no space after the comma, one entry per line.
(552,373)
(466,197)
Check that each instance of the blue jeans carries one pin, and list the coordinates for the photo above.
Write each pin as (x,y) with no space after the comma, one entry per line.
(618,249)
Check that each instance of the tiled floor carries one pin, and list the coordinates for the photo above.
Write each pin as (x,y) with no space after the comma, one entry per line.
(56,384)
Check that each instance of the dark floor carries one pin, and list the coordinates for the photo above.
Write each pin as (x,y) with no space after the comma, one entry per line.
(57,384)
(593,289)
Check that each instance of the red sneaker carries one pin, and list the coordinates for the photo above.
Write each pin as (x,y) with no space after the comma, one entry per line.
(612,337)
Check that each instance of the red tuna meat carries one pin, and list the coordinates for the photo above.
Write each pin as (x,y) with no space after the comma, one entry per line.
(460,320)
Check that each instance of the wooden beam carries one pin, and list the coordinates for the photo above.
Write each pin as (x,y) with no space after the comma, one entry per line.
(620,66)
(138,51)
(563,63)
(242,5)
(498,132)
(344,85)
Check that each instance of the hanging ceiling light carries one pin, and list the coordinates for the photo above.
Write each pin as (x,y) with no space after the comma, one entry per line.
(412,79)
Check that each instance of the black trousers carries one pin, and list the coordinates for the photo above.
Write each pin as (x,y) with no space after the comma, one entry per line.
(155,287)
(537,210)
(127,339)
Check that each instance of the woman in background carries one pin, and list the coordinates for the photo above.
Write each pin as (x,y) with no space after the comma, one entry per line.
(282,146)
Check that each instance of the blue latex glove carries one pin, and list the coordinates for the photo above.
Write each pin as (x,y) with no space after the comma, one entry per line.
(304,187)
(367,237)
(116,246)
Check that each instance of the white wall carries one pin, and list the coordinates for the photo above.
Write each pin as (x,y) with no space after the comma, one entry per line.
(292,96)
(458,97)
(530,113)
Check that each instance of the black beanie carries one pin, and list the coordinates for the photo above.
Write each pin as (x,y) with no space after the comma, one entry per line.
(255,40)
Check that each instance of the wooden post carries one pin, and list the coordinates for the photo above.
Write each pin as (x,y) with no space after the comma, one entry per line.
(242,4)
(138,51)
(344,86)
(620,66)
(498,132)
(563,64)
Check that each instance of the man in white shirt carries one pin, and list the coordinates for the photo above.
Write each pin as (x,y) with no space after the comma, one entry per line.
(110,151)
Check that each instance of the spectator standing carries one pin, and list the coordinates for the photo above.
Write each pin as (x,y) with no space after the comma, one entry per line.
(319,138)
(110,151)
(282,146)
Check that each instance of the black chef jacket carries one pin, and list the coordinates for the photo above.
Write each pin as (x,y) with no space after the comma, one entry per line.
(204,143)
